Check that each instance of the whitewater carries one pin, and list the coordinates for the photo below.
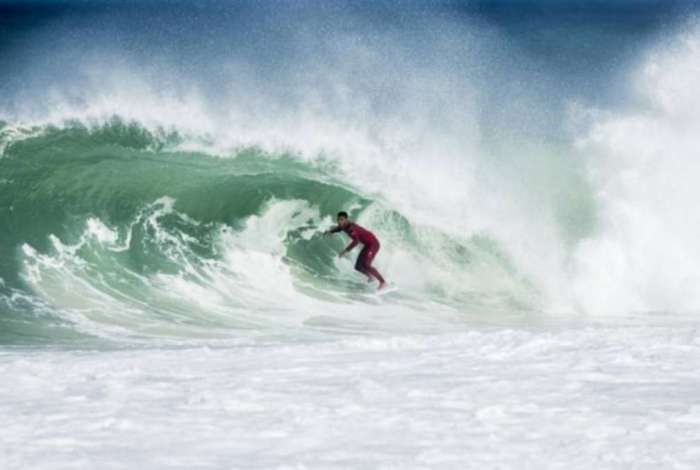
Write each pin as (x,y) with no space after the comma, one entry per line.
(167,297)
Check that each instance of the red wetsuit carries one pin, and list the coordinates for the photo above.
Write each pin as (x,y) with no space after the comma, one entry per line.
(369,250)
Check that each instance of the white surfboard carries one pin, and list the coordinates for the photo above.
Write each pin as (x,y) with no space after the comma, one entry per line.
(387,290)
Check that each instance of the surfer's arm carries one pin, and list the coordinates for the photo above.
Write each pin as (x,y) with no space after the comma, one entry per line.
(349,248)
(335,229)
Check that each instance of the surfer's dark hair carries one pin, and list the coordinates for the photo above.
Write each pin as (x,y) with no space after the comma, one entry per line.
(343,214)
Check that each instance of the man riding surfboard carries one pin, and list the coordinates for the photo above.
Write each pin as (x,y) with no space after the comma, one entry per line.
(370,247)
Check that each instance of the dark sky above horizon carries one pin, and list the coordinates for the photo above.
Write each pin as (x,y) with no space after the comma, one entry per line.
(548,50)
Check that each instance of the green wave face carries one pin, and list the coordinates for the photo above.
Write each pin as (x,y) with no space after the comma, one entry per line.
(111,232)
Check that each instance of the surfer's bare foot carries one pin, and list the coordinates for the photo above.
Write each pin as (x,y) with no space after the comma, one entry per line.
(382,285)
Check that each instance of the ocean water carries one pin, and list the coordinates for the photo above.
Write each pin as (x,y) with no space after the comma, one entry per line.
(167,299)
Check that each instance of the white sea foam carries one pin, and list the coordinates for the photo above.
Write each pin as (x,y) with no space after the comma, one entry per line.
(604,397)
(248,285)
(644,167)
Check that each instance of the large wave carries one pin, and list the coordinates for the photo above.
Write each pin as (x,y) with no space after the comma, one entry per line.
(119,234)
(136,206)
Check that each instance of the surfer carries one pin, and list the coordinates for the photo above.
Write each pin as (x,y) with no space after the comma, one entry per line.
(370,247)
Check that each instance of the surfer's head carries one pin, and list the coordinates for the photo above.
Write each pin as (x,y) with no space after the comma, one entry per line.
(343,218)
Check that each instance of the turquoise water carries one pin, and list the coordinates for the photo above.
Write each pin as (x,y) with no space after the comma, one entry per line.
(102,223)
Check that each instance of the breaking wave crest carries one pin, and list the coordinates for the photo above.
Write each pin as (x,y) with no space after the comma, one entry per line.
(137,213)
